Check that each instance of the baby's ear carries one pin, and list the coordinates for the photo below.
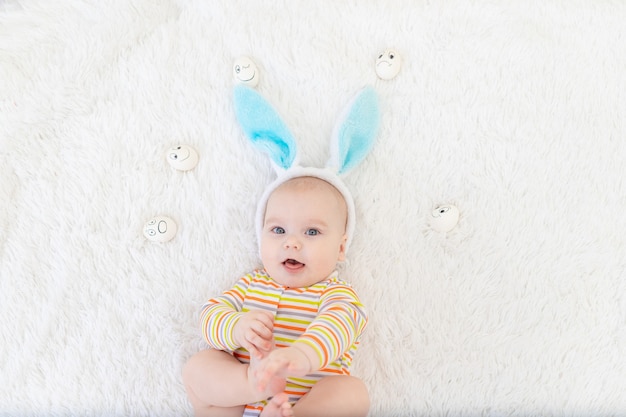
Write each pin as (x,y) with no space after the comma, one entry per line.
(264,127)
(342,248)
(355,131)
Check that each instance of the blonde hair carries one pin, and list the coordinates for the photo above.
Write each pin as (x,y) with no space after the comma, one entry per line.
(307,183)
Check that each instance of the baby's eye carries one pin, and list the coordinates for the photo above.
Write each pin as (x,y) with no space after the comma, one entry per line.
(312,232)
(278,230)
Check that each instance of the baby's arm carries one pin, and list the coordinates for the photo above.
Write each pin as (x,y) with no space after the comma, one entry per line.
(337,327)
(225,327)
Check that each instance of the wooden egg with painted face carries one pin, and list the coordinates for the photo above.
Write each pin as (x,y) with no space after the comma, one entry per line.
(160,229)
(388,64)
(182,157)
(444,218)
(245,71)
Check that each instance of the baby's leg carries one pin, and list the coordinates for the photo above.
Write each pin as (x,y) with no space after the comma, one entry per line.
(219,385)
(335,396)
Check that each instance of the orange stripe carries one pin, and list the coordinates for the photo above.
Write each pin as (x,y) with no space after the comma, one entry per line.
(333,371)
(251,407)
(263,300)
(308,290)
(240,355)
(284,326)
(295,307)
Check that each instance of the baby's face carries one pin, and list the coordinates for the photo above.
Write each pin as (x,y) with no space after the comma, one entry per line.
(304,232)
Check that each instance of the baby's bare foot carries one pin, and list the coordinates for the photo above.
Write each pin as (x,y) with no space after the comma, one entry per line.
(278,406)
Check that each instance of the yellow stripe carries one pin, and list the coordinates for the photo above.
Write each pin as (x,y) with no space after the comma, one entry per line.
(288,300)
(292,320)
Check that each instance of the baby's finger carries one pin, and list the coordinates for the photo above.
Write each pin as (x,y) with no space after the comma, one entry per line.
(266,319)
(254,351)
(257,342)
(261,329)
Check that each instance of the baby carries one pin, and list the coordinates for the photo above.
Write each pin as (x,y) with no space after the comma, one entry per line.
(283,338)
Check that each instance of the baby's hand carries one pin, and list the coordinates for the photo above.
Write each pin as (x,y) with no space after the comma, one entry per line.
(284,362)
(253,331)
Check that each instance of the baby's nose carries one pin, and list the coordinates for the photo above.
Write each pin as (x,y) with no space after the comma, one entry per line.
(291,242)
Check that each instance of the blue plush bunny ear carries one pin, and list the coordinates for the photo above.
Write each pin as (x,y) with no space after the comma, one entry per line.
(264,127)
(356,131)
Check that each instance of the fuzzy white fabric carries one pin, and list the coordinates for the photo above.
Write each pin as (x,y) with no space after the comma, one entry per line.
(512,111)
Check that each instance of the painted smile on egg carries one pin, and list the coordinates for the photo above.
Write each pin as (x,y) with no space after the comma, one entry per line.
(251,77)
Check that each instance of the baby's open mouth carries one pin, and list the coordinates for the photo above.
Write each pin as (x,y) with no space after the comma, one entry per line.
(292,264)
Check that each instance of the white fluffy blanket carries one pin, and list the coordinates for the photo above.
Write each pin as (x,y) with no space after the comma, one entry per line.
(515,112)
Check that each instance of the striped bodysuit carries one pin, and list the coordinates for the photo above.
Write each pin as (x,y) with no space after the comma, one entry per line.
(327,316)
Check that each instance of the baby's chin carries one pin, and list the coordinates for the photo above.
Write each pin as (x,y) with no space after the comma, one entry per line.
(283,276)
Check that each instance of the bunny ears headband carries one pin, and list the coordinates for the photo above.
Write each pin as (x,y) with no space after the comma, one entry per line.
(351,141)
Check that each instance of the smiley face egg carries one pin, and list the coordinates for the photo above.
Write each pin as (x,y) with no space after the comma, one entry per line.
(182,157)
(444,218)
(388,64)
(160,229)
(245,71)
